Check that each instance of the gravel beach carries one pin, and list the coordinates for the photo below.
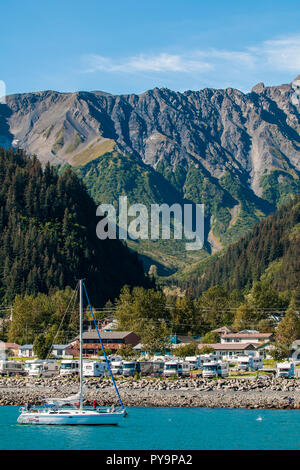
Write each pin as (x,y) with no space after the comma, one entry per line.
(250,392)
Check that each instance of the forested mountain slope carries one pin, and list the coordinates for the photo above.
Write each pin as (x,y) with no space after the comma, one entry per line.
(238,153)
(48,235)
(270,251)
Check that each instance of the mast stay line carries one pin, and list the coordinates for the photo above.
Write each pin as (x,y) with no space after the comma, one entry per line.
(98,333)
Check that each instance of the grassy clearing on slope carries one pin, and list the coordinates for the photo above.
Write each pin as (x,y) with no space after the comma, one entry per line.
(93,151)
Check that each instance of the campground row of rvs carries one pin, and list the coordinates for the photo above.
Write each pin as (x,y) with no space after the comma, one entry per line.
(161,366)
(164,366)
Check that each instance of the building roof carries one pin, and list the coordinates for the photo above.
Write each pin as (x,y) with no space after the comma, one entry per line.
(105,334)
(27,346)
(247,335)
(60,346)
(11,345)
(228,346)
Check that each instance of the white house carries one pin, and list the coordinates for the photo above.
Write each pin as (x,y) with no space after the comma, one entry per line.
(62,351)
(246,338)
(26,350)
(228,350)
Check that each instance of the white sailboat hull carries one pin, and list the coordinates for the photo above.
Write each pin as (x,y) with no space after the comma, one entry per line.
(72,417)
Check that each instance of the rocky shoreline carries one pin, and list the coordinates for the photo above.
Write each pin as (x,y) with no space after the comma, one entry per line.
(250,392)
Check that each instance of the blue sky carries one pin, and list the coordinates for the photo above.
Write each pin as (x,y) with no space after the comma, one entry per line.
(129,46)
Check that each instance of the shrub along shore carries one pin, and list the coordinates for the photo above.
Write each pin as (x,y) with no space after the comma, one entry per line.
(250,392)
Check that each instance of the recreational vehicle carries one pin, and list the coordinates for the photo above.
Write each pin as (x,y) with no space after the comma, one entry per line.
(215,369)
(285,369)
(144,367)
(69,367)
(176,368)
(94,369)
(11,368)
(129,368)
(157,368)
(207,358)
(116,367)
(249,363)
(194,361)
(41,368)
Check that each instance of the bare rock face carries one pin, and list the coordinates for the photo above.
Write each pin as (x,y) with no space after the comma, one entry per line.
(220,147)
(221,130)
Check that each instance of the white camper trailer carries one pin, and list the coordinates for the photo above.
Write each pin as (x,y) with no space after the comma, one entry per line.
(246,363)
(94,369)
(129,368)
(11,368)
(41,368)
(116,367)
(285,369)
(194,361)
(176,368)
(215,369)
(69,367)
(207,358)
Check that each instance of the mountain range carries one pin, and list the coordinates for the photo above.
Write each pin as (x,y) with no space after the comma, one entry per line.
(238,153)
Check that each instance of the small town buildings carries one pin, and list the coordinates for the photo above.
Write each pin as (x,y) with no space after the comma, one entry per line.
(246,337)
(228,350)
(26,350)
(113,340)
(10,349)
(62,351)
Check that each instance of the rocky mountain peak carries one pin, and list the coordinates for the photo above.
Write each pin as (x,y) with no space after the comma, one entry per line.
(259,88)
(237,153)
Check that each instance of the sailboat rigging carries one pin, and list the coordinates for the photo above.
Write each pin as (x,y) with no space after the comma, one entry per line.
(54,411)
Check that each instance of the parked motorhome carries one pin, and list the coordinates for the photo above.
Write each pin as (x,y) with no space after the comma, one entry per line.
(285,369)
(176,368)
(41,368)
(69,367)
(194,361)
(11,368)
(144,367)
(246,363)
(129,368)
(207,358)
(116,367)
(215,369)
(94,369)
(157,368)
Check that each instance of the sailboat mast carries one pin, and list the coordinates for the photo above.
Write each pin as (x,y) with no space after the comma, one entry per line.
(80,336)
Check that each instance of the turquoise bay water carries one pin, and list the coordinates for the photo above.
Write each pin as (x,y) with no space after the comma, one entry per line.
(162,428)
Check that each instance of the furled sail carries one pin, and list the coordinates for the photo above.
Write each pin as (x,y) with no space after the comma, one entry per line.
(63,401)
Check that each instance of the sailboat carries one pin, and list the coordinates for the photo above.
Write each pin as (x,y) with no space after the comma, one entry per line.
(54,411)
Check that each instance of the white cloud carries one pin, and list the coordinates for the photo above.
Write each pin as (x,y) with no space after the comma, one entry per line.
(278,54)
(147,63)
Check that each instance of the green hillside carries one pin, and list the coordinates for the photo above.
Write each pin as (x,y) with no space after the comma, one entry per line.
(231,208)
(48,238)
(270,251)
